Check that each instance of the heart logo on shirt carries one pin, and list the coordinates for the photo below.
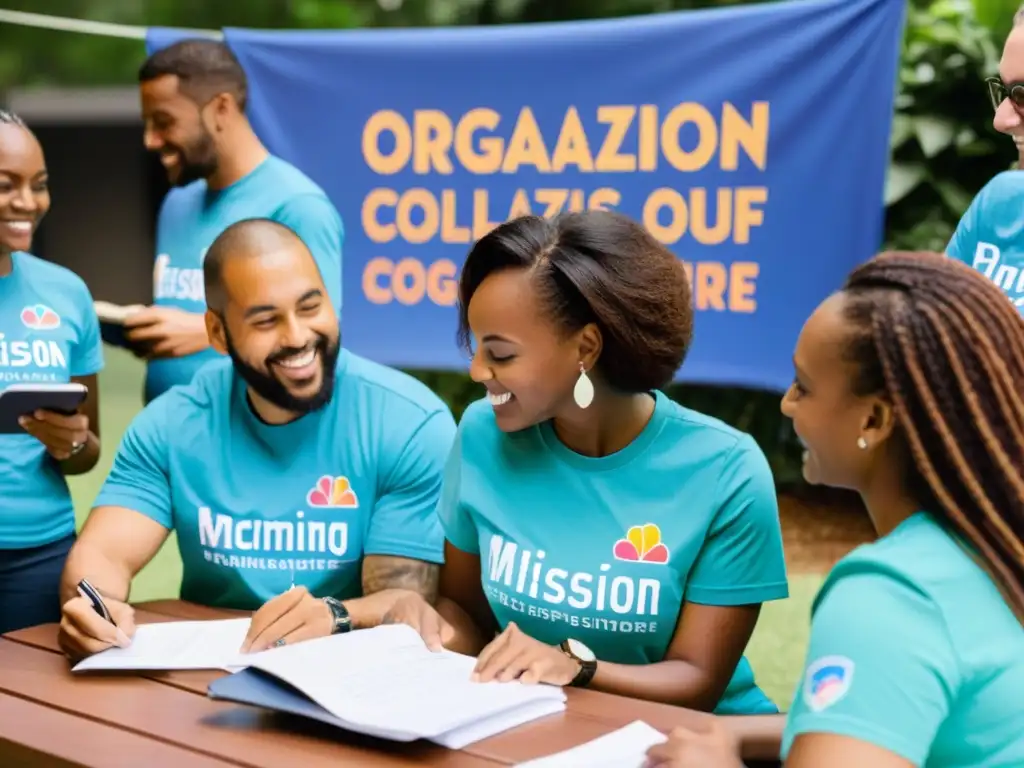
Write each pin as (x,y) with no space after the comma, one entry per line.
(642,544)
(40,317)
(332,492)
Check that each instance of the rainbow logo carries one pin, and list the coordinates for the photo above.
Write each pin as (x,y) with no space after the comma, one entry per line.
(642,544)
(827,681)
(332,492)
(40,318)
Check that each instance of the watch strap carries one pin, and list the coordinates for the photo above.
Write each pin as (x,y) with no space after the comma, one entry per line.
(585,675)
(587,668)
(340,619)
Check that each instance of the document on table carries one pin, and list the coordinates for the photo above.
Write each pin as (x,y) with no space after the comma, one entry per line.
(385,682)
(177,645)
(624,748)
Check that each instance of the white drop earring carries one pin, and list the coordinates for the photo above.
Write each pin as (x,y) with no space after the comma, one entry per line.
(862,443)
(583,392)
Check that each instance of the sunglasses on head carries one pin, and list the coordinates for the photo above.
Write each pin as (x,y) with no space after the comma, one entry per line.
(998,92)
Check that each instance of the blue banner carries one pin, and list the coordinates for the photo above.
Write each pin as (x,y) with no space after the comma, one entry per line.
(751,140)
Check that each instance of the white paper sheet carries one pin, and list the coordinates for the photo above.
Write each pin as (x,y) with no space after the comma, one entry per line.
(115,313)
(624,748)
(384,681)
(177,645)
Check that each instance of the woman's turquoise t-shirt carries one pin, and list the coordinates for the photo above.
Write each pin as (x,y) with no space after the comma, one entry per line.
(49,333)
(606,550)
(914,650)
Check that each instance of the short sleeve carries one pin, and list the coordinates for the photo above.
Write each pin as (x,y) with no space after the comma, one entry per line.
(742,561)
(965,238)
(880,667)
(317,222)
(139,479)
(86,355)
(404,521)
(458,525)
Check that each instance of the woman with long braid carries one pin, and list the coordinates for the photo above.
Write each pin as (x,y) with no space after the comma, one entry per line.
(909,389)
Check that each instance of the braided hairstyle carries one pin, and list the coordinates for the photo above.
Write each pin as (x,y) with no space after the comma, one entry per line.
(946,347)
(9,118)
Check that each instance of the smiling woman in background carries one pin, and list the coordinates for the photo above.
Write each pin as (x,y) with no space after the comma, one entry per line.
(50,334)
(909,390)
(598,533)
(990,234)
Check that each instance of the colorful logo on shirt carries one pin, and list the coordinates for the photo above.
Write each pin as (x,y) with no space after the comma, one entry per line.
(643,544)
(40,318)
(827,681)
(332,492)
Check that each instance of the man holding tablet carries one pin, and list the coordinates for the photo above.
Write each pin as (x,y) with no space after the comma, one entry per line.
(301,479)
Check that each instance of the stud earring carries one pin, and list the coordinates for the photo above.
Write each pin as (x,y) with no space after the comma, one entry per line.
(862,443)
(583,392)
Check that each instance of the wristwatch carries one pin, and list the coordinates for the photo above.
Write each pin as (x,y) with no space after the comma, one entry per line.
(585,657)
(340,620)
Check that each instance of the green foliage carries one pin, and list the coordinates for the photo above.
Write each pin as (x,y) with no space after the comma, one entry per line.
(944,148)
(996,15)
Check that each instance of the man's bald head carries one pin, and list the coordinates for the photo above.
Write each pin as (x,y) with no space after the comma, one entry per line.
(269,310)
(246,239)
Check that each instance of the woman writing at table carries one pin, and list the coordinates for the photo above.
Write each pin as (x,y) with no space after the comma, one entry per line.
(909,389)
(598,534)
(49,333)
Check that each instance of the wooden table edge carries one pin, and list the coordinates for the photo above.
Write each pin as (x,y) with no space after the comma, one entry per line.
(184,610)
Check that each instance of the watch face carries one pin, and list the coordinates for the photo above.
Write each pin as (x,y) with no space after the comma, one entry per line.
(580,651)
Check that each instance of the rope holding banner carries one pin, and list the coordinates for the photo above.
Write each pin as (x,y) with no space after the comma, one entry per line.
(106,29)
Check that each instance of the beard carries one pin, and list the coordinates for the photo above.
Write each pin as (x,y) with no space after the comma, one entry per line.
(197,161)
(269,387)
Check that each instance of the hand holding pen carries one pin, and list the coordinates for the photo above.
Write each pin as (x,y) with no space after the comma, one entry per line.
(93,622)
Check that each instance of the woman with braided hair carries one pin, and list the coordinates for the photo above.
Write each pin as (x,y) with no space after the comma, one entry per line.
(909,389)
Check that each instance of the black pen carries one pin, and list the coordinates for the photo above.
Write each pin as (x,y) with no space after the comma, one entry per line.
(90,593)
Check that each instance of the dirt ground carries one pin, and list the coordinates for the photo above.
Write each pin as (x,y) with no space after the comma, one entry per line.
(818,532)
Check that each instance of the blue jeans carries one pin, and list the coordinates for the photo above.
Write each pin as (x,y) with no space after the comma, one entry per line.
(30,584)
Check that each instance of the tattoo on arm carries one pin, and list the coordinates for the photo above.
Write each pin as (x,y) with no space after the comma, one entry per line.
(385,572)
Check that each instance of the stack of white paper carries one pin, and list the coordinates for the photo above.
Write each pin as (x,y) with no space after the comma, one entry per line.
(624,748)
(177,645)
(385,682)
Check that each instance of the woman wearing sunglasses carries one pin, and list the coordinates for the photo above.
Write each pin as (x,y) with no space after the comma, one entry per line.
(990,236)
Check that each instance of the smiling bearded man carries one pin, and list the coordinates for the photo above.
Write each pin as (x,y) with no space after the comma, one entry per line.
(291,463)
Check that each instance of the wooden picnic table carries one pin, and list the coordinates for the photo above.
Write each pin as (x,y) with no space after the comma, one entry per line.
(49,717)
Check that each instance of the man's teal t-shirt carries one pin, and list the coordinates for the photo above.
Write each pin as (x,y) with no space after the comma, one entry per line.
(49,332)
(192,217)
(914,650)
(990,235)
(606,550)
(256,506)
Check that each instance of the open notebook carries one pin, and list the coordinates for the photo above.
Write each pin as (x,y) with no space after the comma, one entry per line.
(385,682)
(176,645)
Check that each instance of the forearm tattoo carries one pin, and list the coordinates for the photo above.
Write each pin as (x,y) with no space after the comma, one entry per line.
(382,572)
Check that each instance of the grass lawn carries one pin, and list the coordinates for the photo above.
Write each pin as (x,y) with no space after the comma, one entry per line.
(776,651)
